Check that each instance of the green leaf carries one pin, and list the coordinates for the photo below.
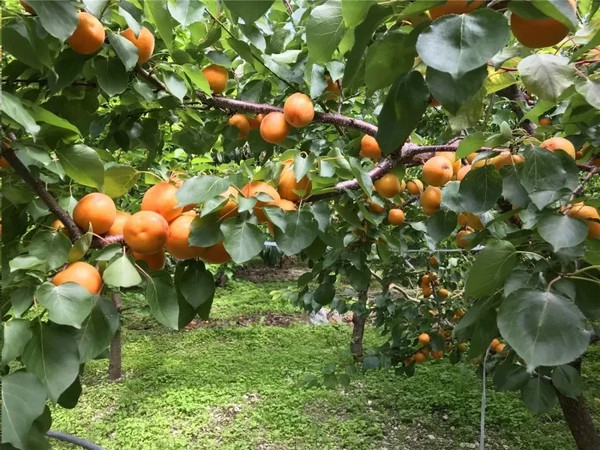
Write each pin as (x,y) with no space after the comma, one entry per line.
(470,144)
(59,19)
(590,91)
(559,10)
(50,245)
(388,58)
(196,284)
(97,331)
(21,299)
(480,189)
(200,188)
(67,69)
(546,76)
(567,380)
(52,355)
(364,180)
(157,11)
(16,334)
(111,75)
(125,49)
(402,110)
(249,10)
(119,179)
(67,304)
(469,114)
(300,231)
(457,44)
(324,31)
(276,216)
(13,108)
(162,299)
(491,267)
(175,85)
(592,251)
(205,231)
(441,225)
(197,77)
(587,298)
(121,273)
(80,247)
(354,12)
(543,173)
(243,240)
(510,377)
(23,401)
(451,92)
(186,12)
(544,328)
(22,42)
(512,189)
(43,115)
(538,395)
(324,294)
(562,231)
(82,164)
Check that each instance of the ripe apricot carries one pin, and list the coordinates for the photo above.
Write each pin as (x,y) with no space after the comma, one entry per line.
(395,217)
(455,7)
(433,261)
(81,273)
(474,221)
(471,157)
(144,43)
(274,128)
(59,226)
(95,209)
(369,148)
(333,88)
(260,188)
(146,232)
(414,187)
(4,163)
(451,157)
(230,209)
(500,348)
(162,199)
(256,120)
(241,123)
(460,238)
(217,77)
(589,214)
(177,242)
(298,110)
(464,170)
(216,254)
(155,261)
(538,33)
(376,207)
(559,143)
(438,354)
(424,339)
(505,159)
(462,347)
(443,293)
(27,7)
(89,35)
(425,280)
(119,223)
(437,171)
(388,186)
(288,185)
(431,199)
(545,121)
(420,357)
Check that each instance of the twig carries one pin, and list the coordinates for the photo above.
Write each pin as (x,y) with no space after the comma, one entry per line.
(579,187)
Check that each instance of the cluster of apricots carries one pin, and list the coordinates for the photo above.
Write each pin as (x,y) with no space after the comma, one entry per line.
(89,36)
(429,282)
(425,349)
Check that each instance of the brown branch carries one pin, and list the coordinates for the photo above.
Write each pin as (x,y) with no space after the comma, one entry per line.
(39,188)
(579,187)
(103,241)
(514,93)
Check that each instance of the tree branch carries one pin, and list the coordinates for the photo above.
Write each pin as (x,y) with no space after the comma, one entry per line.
(515,94)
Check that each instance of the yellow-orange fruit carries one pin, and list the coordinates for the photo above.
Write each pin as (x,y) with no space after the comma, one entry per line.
(241,123)
(414,187)
(146,232)
(177,241)
(451,157)
(376,208)
(4,163)
(474,221)
(505,159)
(215,254)
(81,273)
(96,209)
(369,148)
(462,347)
(230,209)
(254,188)
(431,200)
(538,33)
(332,88)
(217,78)
(495,343)
(433,261)
(455,7)
(463,172)
(144,43)
(425,280)
(256,120)
(462,219)
(27,7)
(500,348)
(162,199)
(545,121)
(443,293)
(285,205)
(59,226)
(460,238)
(119,223)
(155,261)
(437,171)
(471,157)
(288,185)
(274,128)
(395,217)
(89,35)
(424,339)
(388,186)
(298,110)
(420,357)
(559,143)
(438,354)
(590,215)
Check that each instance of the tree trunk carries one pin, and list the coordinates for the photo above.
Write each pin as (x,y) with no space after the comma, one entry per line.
(579,420)
(358,320)
(114,362)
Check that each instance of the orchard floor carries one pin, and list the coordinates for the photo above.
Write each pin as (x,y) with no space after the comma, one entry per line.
(237,385)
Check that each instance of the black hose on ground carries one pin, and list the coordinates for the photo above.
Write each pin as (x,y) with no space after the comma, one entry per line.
(73,440)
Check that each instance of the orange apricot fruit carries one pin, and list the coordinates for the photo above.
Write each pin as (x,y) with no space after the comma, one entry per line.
(298,110)
(460,238)
(388,186)
(97,210)
(464,170)
(144,43)
(230,209)
(217,77)
(119,223)
(89,35)
(81,273)
(274,128)
(256,120)
(420,357)
(369,148)
(155,261)
(260,188)
(559,143)
(162,199)
(451,157)
(414,187)
(177,241)
(455,7)
(4,163)
(241,123)
(538,33)
(437,171)
(215,254)
(146,232)
(288,186)
(545,121)
(590,215)
(438,354)
(395,217)
(424,339)
(431,200)
(375,207)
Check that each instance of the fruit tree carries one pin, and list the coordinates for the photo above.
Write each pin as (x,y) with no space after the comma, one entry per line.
(441,155)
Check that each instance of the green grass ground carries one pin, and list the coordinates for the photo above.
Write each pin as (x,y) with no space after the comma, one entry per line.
(237,387)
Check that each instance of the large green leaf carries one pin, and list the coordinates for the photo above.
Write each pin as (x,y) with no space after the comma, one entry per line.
(388,58)
(451,92)
(50,245)
(510,377)
(249,10)
(480,189)
(546,75)
(58,18)
(205,231)
(119,179)
(562,231)
(14,109)
(186,12)
(300,231)
(587,298)
(441,225)
(111,75)
(196,284)
(82,164)
(590,91)
(125,49)
(324,31)
(158,13)
(544,328)
(402,110)
(162,299)
(97,331)
(121,273)
(354,12)
(16,334)
(197,77)
(67,304)
(243,240)
(538,395)
(457,44)
(66,70)
(491,267)
(567,380)
(52,355)
(200,188)
(23,401)
(21,42)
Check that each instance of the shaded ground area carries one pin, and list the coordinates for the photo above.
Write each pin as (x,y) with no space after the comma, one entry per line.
(227,386)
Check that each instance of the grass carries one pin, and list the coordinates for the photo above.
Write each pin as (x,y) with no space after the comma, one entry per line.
(239,388)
